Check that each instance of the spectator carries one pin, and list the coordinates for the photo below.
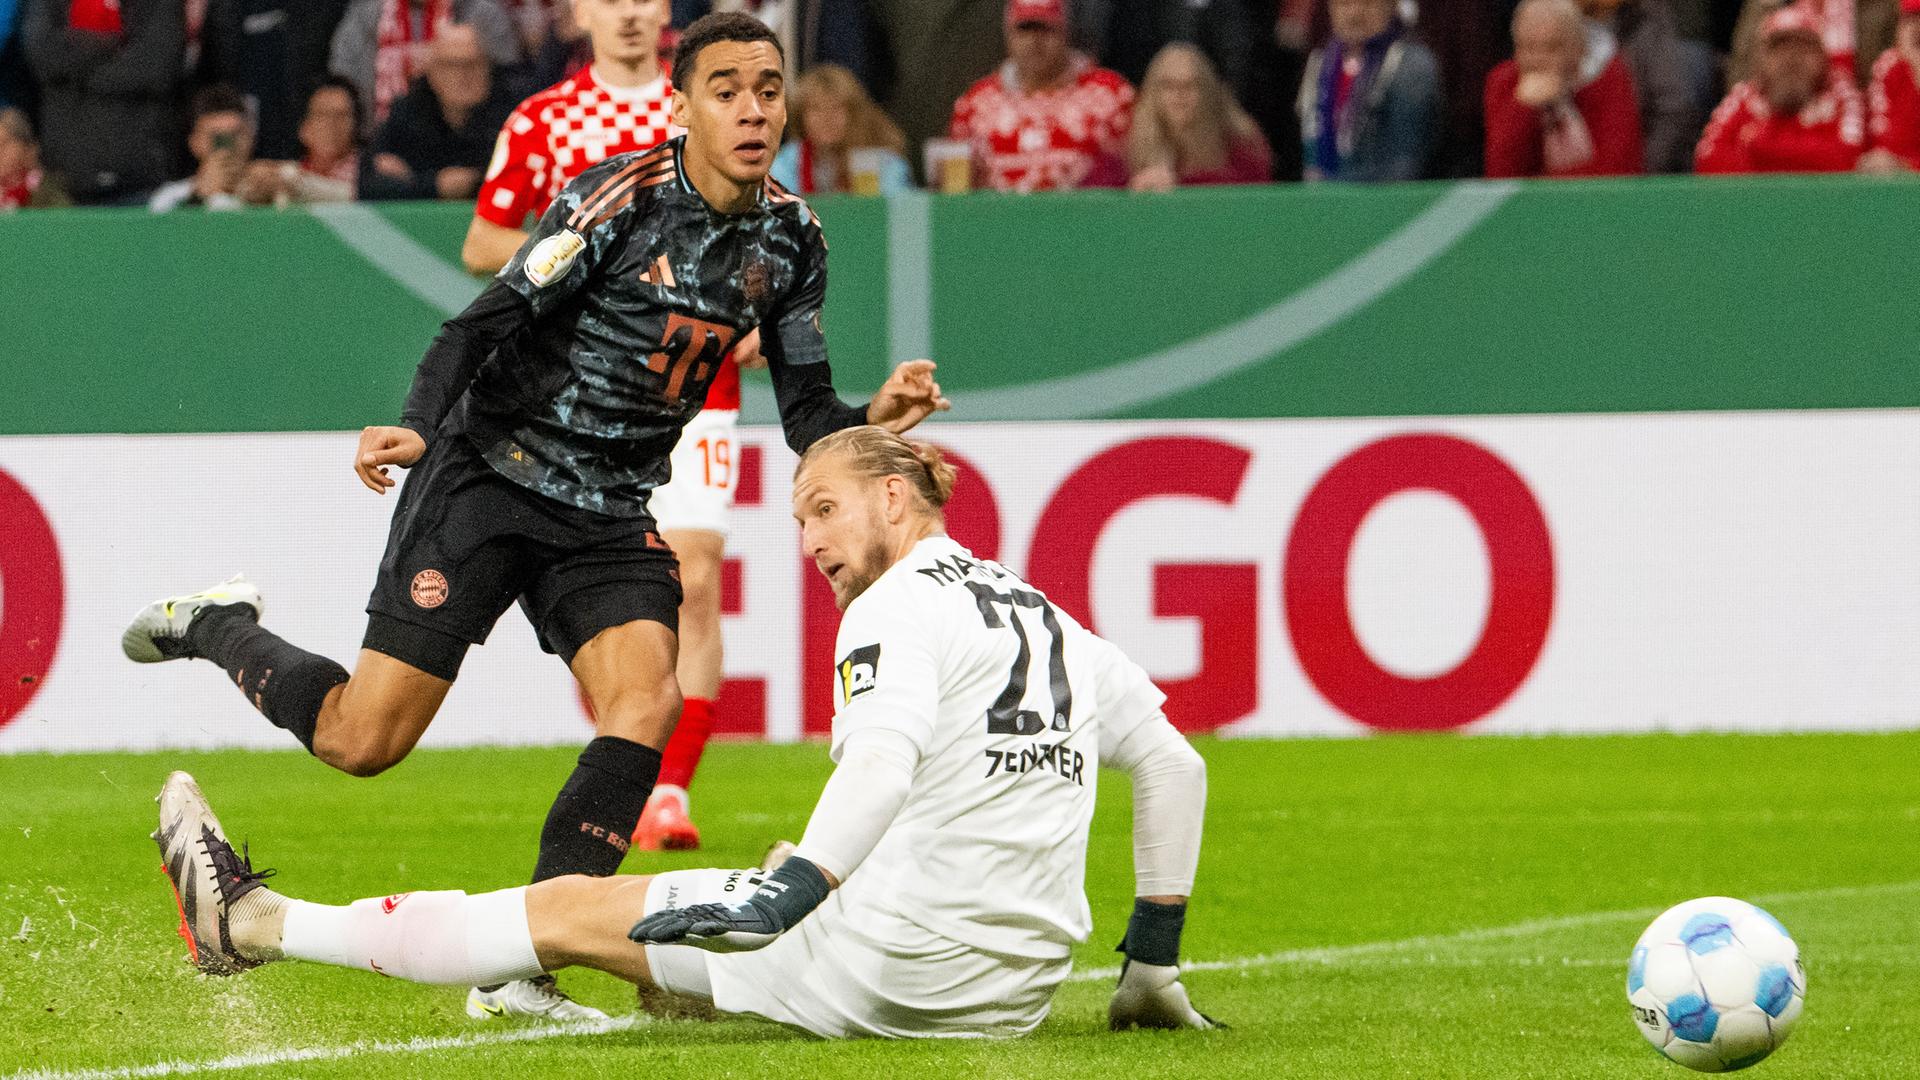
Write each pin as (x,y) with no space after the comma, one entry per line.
(945,46)
(1894,99)
(1136,31)
(1854,32)
(13,70)
(1672,78)
(566,50)
(221,141)
(534,21)
(835,130)
(381,45)
(811,32)
(1799,113)
(275,53)
(1370,102)
(108,73)
(1049,119)
(22,183)
(436,142)
(328,170)
(1564,105)
(1188,130)
(1469,38)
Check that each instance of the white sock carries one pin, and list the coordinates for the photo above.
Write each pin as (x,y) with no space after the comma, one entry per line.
(428,937)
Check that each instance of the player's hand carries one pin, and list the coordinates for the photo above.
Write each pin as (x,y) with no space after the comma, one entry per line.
(1151,996)
(713,927)
(747,354)
(909,396)
(384,446)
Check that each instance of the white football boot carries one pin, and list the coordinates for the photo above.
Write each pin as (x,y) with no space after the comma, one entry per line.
(159,632)
(529,997)
(231,922)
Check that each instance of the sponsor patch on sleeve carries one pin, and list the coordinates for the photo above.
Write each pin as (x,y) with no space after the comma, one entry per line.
(858,670)
(551,258)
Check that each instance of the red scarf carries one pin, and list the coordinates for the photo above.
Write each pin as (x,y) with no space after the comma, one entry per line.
(94,16)
(400,58)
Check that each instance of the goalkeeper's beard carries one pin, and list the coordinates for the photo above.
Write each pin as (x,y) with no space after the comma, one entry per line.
(873,563)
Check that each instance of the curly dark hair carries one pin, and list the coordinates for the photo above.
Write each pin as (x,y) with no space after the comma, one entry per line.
(711,30)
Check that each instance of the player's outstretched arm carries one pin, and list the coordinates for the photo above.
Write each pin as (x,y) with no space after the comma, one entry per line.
(909,396)
(861,799)
(445,372)
(1169,804)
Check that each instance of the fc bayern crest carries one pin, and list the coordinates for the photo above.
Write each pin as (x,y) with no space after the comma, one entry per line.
(430,588)
(753,281)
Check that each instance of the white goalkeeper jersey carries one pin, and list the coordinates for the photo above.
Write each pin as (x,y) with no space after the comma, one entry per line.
(1010,702)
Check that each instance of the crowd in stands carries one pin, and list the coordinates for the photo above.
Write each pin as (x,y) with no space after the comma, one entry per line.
(224,103)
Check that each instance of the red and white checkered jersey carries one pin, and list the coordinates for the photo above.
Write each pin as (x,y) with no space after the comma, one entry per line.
(561,132)
(1056,138)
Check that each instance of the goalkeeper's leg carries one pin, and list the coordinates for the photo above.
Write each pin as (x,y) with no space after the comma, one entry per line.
(233,922)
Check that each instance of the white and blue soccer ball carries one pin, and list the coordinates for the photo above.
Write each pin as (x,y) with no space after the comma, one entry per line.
(1716,984)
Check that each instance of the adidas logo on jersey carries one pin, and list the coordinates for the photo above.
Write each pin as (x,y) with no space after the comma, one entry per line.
(659,273)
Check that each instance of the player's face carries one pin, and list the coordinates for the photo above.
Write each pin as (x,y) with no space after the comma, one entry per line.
(622,31)
(843,520)
(734,107)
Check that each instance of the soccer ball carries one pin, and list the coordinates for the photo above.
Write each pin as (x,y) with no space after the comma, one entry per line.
(1716,984)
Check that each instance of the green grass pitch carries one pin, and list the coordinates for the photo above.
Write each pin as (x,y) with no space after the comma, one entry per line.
(1405,907)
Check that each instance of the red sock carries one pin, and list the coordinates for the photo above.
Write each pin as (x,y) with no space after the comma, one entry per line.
(682,754)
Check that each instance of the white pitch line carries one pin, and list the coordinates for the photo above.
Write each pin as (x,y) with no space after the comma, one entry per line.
(1331,954)
(293,1055)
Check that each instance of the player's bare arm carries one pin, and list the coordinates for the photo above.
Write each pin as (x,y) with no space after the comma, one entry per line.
(488,246)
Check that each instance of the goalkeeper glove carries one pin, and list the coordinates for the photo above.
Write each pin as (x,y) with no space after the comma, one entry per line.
(1151,996)
(783,899)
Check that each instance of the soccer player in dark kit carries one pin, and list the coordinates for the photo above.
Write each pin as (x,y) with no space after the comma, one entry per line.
(539,420)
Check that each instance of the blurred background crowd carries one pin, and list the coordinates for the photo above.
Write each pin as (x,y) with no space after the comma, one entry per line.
(224,103)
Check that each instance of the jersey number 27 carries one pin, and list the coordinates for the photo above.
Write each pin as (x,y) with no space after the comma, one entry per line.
(1008,716)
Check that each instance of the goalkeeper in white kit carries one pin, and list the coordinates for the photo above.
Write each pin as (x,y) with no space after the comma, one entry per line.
(939,886)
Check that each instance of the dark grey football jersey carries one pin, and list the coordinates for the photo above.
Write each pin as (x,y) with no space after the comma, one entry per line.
(638,289)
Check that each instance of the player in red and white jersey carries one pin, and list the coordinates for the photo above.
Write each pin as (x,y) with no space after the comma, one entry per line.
(621,103)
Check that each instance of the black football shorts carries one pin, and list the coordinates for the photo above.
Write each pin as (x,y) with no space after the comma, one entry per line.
(467,542)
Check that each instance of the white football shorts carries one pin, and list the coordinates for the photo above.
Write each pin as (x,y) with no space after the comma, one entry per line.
(706,470)
(853,969)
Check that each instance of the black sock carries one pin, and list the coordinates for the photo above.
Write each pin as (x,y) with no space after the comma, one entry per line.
(1153,933)
(286,683)
(591,823)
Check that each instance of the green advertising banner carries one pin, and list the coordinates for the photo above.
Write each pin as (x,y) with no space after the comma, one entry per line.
(1423,299)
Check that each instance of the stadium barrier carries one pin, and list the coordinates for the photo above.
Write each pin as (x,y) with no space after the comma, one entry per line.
(1489,458)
